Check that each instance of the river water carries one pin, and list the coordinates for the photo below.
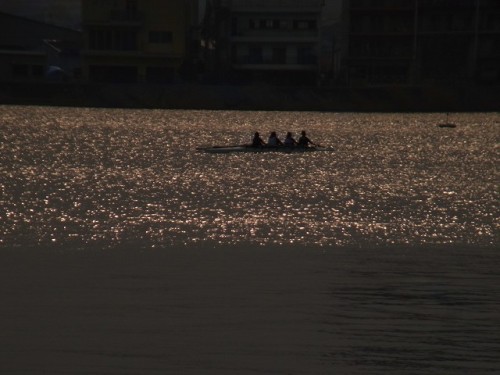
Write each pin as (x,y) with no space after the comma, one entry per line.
(77,177)
(125,250)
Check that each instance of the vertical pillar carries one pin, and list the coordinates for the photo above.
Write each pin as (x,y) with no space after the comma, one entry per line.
(415,65)
(475,47)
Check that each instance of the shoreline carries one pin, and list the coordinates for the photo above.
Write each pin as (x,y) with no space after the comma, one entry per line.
(254,97)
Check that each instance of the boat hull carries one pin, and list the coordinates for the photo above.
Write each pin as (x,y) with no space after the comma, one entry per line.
(239,149)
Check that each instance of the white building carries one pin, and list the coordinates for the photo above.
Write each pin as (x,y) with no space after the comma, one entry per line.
(276,39)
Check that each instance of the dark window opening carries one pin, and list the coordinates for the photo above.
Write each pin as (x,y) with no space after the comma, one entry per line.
(112,40)
(279,55)
(20,70)
(304,25)
(37,70)
(255,55)
(160,37)
(306,56)
(113,74)
(160,75)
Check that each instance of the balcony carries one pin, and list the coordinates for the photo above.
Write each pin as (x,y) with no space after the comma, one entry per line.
(385,5)
(275,38)
(380,26)
(275,67)
(277,5)
(275,58)
(447,5)
(125,17)
(380,50)
(117,18)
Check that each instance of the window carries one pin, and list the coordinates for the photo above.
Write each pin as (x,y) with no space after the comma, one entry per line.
(266,24)
(304,25)
(20,70)
(113,74)
(125,40)
(112,40)
(255,55)
(159,75)
(234,26)
(37,70)
(279,55)
(100,39)
(131,7)
(306,56)
(160,37)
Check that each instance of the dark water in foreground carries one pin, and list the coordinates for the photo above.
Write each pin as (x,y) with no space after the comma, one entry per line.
(251,311)
(124,251)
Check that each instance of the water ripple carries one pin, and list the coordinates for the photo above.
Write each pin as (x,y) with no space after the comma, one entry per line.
(80,177)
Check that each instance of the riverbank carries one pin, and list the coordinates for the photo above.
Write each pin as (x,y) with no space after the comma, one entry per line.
(253,97)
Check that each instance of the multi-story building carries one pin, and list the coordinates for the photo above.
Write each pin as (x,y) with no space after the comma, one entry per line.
(32,51)
(271,40)
(135,40)
(380,41)
(458,41)
(487,50)
(422,41)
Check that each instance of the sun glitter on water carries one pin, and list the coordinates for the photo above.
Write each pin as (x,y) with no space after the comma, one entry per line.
(86,177)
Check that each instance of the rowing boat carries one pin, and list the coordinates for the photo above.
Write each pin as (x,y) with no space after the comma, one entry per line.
(246,148)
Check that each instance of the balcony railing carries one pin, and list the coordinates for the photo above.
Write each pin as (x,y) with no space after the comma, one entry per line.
(118,18)
(382,4)
(254,5)
(124,16)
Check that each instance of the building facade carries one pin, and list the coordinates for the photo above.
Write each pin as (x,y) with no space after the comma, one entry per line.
(422,41)
(458,41)
(380,41)
(268,40)
(486,61)
(131,41)
(31,51)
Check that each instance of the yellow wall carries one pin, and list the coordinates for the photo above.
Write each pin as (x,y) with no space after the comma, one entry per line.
(165,15)
(161,16)
(155,15)
(95,10)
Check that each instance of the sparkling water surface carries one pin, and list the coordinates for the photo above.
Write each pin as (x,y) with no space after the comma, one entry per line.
(111,177)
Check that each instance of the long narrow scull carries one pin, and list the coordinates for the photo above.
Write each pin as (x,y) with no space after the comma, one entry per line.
(245,148)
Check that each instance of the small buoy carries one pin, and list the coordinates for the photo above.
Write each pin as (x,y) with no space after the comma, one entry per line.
(447,124)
